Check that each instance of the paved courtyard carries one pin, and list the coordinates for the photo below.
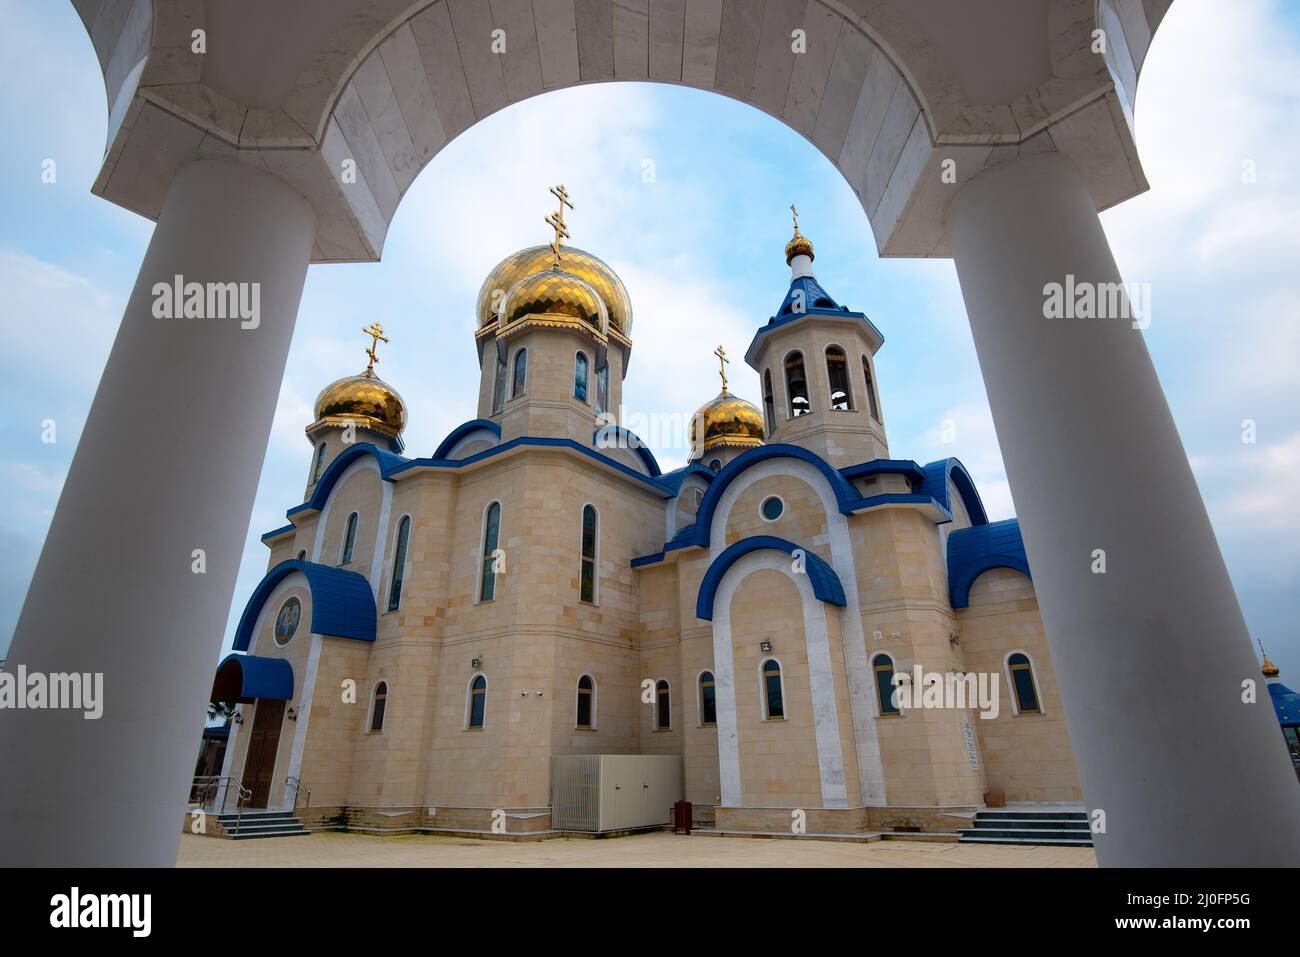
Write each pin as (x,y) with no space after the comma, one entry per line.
(659,849)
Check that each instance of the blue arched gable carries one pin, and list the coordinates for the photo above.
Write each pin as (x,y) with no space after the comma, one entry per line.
(249,677)
(458,433)
(677,477)
(826,584)
(342,603)
(388,463)
(973,551)
(935,484)
(632,441)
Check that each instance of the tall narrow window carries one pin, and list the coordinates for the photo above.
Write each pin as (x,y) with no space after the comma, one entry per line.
(769,402)
(378,706)
(708,699)
(837,374)
(602,389)
(580,377)
(773,700)
(302,554)
(491,534)
(587,575)
(586,696)
(521,373)
(1024,685)
(349,539)
(477,701)
(499,388)
(663,707)
(883,667)
(796,385)
(399,563)
(320,462)
(871,389)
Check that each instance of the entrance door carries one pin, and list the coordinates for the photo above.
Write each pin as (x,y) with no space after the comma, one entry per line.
(259,765)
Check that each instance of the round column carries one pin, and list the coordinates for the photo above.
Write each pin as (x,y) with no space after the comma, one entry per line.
(1151,652)
(136,576)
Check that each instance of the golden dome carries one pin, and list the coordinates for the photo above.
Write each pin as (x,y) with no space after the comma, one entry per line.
(556,292)
(366,400)
(728,420)
(1270,670)
(798,246)
(575,261)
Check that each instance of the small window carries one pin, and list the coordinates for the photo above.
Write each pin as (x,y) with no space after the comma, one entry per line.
(1023,684)
(586,701)
(302,555)
(773,697)
(499,388)
(487,588)
(837,374)
(883,667)
(602,389)
(716,465)
(399,563)
(320,462)
(796,385)
(772,508)
(663,706)
(580,377)
(769,402)
(708,700)
(349,539)
(477,701)
(871,389)
(521,374)
(377,707)
(587,574)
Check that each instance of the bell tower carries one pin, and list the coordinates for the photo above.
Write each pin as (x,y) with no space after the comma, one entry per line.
(816,365)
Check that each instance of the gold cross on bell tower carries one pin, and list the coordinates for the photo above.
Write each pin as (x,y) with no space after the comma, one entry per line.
(556,221)
(721,353)
(794,214)
(376,333)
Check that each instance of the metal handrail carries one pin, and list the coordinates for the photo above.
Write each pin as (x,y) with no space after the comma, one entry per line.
(207,786)
(298,788)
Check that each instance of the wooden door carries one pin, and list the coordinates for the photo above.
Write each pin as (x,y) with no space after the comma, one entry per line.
(259,765)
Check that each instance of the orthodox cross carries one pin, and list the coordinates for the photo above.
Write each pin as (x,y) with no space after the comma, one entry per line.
(721,353)
(376,333)
(556,221)
(794,213)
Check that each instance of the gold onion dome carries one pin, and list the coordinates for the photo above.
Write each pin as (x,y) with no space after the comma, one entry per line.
(728,420)
(575,262)
(366,400)
(799,245)
(554,292)
(1270,670)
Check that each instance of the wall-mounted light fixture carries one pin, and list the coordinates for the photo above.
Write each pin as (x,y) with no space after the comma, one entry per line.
(292,713)
(237,717)
(765,647)
(476,662)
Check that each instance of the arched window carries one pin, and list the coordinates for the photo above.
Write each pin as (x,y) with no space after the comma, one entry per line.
(708,699)
(663,706)
(587,574)
(796,385)
(349,539)
(769,402)
(487,588)
(499,387)
(602,389)
(586,702)
(871,389)
(521,373)
(302,554)
(883,668)
(378,704)
(320,462)
(476,708)
(399,563)
(1023,684)
(580,377)
(773,695)
(716,465)
(837,374)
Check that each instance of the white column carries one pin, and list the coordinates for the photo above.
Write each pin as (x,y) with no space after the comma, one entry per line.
(168,463)
(1152,654)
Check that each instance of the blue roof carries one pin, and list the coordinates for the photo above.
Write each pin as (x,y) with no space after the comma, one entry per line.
(826,584)
(342,603)
(805,295)
(388,463)
(629,439)
(465,428)
(1286,703)
(935,484)
(676,477)
(246,677)
(973,551)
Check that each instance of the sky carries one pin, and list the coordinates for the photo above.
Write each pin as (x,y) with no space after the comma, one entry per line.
(686,195)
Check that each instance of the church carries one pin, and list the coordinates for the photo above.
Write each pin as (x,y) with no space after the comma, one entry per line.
(459,642)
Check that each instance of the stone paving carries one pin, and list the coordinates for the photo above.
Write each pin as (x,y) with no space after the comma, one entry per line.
(659,849)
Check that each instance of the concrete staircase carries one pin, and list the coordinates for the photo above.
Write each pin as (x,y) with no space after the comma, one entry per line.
(1061,828)
(261,824)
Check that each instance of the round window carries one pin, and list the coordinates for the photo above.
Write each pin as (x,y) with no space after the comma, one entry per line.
(286,622)
(772,508)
